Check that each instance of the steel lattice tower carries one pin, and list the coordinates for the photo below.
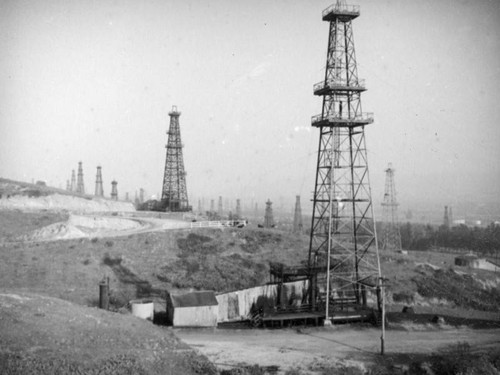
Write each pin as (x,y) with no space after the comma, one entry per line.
(99,191)
(268,216)
(174,192)
(297,217)
(219,208)
(343,238)
(80,186)
(391,236)
(73,181)
(238,209)
(114,190)
(446,218)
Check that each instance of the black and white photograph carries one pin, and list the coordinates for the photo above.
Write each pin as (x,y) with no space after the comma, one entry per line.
(231,187)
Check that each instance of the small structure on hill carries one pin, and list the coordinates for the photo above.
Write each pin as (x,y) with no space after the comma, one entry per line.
(473,261)
(195,309)
(467,260)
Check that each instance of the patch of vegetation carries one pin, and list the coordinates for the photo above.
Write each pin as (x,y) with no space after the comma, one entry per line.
(195,243)
(425,237)
(403,297)
(253,241)
(219,273)
(109,243)
(462,290)
(458,359)
(110,262)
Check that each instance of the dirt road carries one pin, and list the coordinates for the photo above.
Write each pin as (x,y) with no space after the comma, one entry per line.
(312,348)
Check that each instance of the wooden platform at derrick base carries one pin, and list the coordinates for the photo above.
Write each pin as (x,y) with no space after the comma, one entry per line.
(352,316)
(293,318)
(315,318)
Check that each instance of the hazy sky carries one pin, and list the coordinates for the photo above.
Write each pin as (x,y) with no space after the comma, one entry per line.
(93,81)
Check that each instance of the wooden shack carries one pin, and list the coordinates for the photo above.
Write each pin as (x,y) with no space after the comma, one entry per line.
(195,309)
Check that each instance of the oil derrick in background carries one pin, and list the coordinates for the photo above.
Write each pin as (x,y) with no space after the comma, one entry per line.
(297,217)
(80,187)
(238,209)
(446,218)
(174,192)
(342,228)
(268,216)
(73,181)
(141,195)
(212,205)
(114,190)
(219,207)
(99,191)
(68,186)
(391,235)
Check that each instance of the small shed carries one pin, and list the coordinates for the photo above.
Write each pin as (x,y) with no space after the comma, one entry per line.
(467,260)
(195,309)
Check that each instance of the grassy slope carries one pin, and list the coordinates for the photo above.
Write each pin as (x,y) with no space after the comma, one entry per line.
(42,335)
(222,260)
(141,265)
(459,286)
(14,223)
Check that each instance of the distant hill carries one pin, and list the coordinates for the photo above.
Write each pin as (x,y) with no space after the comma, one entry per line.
(38,196)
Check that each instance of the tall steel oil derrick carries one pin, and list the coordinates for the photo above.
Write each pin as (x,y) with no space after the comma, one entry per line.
(268,216)
(391,234)
(73,181)
(99,191)
(114,190)
(174,192)
(446,218)
(297,217)
(80,186)
(219,208)
(238,209)
(343,238)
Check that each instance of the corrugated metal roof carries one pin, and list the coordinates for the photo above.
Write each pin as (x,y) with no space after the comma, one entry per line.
(194,299)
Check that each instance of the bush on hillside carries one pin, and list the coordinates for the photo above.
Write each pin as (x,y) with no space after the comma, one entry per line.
(462,290)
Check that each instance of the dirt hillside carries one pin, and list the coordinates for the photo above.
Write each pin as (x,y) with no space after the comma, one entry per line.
(45,335)
(34,197)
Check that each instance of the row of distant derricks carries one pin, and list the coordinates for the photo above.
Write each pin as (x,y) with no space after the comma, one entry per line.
(341,278)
